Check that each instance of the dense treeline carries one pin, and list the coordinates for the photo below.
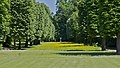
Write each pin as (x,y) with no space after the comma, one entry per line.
(82,21)
(88,21)
(25,21)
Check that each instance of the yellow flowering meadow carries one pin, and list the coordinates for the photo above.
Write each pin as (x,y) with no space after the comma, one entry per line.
(64,46)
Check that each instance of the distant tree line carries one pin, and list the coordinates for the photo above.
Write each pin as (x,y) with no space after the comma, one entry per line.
(88,21)
(25,21)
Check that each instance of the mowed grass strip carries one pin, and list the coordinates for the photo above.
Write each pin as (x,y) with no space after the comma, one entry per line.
(40,59)
(64,46)
(42,56)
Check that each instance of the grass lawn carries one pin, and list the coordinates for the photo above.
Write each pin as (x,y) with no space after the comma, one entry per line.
(65,46)
(59,58)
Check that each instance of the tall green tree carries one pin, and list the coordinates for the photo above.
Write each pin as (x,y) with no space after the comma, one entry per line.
(22,19)
(115,21)
(64,11)
(30,18)
(73,27)
(4,19)
(45,29)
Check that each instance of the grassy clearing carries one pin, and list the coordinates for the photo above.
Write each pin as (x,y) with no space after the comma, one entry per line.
(65,46)
(52,57)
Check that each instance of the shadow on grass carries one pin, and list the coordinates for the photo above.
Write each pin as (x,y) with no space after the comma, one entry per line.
(71,46)
(88,53)
(82,50)
(67,43)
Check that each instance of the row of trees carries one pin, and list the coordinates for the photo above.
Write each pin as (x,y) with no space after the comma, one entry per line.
(25,20)
(85,21)
(88,20)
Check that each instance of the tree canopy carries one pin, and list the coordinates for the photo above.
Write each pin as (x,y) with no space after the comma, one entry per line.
(88,20)
(25,20)
(82,21)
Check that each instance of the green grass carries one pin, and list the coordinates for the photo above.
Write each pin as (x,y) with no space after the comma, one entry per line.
(45,57)
(53,59)
(65,46)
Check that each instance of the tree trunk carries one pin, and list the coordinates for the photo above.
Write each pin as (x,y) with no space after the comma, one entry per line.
(7,42)
(30,43)
(26,43)
(38,41)
(90,41)
(14,43)
(104,44)
(118,43)
(35,42)
(19,47)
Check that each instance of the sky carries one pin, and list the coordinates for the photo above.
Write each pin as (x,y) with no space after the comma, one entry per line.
(50,4)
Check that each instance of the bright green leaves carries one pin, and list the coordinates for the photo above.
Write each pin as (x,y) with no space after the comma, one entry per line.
(4,19)
(25,20)
(96,18)
(22,18)
(72,29)
(45,29)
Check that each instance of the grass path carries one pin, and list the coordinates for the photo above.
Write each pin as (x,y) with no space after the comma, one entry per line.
(38,59)
(58,59)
